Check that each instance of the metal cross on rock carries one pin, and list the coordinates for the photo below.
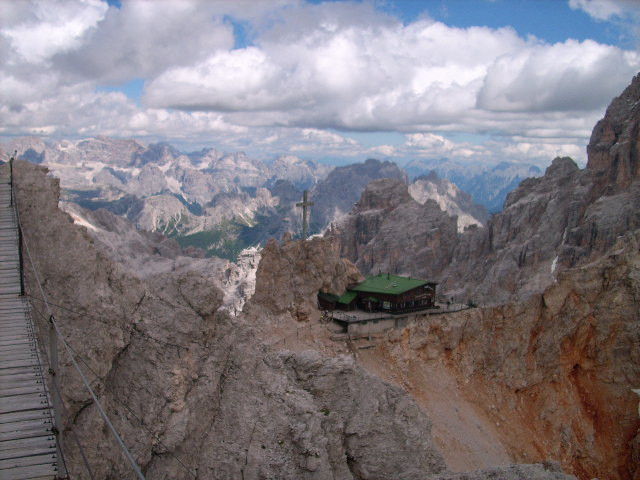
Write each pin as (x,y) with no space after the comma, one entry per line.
(305,204)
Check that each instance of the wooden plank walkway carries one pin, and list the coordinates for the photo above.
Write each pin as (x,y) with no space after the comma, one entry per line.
(27,445)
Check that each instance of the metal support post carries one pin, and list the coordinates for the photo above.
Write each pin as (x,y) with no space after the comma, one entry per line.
(54,370)
(11,178)
(21,260)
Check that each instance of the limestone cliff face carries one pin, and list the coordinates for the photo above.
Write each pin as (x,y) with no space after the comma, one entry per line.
(614,148)
(517,253)
(566,218)
(389,231)
(555,372)
(194,392)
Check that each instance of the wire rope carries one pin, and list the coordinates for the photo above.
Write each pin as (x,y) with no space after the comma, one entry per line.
(75,437)
(124,405)
(115,433)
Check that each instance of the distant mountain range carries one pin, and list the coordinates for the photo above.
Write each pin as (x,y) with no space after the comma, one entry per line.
(487,185)
(224,202)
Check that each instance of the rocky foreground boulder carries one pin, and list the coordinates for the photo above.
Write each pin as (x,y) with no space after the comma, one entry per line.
(290,276)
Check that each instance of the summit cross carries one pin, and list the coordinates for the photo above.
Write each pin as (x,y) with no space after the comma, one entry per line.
(305,204)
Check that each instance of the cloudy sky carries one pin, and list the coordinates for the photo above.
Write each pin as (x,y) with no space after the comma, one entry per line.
(471,80)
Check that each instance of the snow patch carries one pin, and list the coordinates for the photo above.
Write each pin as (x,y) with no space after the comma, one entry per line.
(174,185)
(165,167)
(240,280)
(77,220)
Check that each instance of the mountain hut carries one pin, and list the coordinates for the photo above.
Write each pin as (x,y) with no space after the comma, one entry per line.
(383,292)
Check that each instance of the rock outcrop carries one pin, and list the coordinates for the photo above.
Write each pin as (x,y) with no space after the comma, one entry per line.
(614,148)
(148,255)
(516,254)
(317,267)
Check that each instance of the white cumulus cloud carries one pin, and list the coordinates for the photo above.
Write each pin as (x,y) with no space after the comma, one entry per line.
(605,9)
(384,75)
(306,76)
(569,76)
(38,29)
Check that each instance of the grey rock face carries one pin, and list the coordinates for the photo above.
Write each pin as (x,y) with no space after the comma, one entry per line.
(151,255)
(352,400)
(614,147)
(388,231)
(317,266)
(335,195)
(517,253)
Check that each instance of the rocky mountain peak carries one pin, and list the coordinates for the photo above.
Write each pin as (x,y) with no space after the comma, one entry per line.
(562,167)
(120,152)
(335,195)
(561,172)
(302,173)
(450,199)
(614,148)
(158,153)
(389,231)
(385,193)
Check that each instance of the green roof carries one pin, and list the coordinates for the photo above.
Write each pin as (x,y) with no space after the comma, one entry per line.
(347,297)
(330,297)
(390,284)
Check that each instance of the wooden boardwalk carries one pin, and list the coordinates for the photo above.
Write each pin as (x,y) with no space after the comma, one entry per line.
(27,444)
